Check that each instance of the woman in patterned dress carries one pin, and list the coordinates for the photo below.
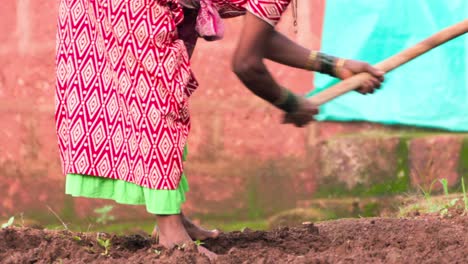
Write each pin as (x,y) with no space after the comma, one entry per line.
(123,85)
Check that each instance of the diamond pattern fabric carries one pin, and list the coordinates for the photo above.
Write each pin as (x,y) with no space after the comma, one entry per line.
(123,85)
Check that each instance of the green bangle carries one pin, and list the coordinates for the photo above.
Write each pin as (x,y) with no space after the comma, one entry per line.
(290,104)
(327,64)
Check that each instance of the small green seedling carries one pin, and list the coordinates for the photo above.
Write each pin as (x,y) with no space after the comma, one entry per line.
(104,214)
(158,252)
(199,243)
(9,223)
(427,195)
(453,202)
(444,183)
(77,238)
(444,211)
(104,243)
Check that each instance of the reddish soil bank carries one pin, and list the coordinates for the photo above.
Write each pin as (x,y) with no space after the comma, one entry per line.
(421,239)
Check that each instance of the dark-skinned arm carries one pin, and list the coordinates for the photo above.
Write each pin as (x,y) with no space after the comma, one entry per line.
(285,51)
(248,59)
(249,67)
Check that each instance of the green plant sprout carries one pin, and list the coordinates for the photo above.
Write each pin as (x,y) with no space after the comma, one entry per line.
(440,206)
(158,252)
(199,243)
(104,214)
(446,207)
(444,183)
(434,207)
(9,223)
(427,195)
(454,201)
(104,243)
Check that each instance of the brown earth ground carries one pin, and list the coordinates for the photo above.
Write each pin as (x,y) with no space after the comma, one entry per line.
(417,239)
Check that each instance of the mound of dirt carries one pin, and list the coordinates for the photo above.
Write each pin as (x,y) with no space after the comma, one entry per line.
(296,216)
(422,239)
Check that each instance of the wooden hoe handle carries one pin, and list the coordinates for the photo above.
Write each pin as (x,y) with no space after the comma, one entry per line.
(393,62)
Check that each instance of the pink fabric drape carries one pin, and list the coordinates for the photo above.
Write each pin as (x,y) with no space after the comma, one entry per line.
(209,24)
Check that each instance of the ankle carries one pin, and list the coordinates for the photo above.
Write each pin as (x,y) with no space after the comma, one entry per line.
(172,229)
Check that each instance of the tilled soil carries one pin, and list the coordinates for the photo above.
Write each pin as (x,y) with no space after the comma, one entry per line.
(420,239)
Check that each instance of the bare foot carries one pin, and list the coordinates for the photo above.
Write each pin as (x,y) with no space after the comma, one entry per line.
(198,232)
(194,231)
(172,233)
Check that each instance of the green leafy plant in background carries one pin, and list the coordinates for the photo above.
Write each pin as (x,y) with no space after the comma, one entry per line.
(104,243)
(104,214)
(436,205)
(9,223)
(465,198)
(453,202)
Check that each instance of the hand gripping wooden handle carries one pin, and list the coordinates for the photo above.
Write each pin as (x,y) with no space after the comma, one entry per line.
(393,62)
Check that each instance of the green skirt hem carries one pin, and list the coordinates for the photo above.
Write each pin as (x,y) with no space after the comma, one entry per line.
(160,202)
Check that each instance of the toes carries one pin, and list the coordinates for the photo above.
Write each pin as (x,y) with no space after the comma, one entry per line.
(215,233)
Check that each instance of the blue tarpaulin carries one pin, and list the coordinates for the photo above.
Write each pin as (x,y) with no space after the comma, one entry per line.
(430,91)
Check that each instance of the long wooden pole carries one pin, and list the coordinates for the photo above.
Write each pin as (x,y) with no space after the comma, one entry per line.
(393,62)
